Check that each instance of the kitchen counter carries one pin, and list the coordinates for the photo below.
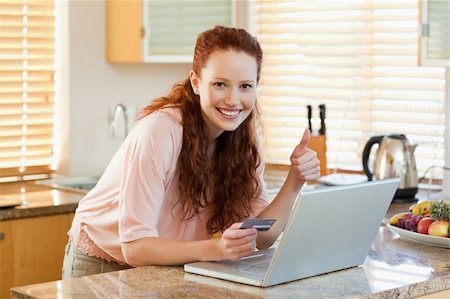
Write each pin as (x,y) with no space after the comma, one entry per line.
(394,268)
(36,200)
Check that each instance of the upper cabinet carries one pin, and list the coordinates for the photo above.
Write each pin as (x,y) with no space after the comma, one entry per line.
(435,33)
(161,30)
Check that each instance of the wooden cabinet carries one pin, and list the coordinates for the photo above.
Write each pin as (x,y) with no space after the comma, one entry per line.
(161,31)
(123,31)
(32,250)
(434,41)
(6,262)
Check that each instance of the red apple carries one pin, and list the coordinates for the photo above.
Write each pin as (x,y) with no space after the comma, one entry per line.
(422,226)
(439,228)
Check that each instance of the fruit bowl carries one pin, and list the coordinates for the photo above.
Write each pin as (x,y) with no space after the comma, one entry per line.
(420,238)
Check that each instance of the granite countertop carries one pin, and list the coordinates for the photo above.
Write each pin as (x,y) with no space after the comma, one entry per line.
(394,268)
(35,200)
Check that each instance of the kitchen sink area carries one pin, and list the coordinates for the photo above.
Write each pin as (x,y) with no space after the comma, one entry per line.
(79,184)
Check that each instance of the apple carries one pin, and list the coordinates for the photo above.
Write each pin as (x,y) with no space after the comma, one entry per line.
(422,226)
(439,228)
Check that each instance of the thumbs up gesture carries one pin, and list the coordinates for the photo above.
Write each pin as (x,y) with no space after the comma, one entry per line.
(304,161)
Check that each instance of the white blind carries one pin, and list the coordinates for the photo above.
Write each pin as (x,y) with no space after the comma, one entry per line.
(26,86)
(174,24)
(359,58)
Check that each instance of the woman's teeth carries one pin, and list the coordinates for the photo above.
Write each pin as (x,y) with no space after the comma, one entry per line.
(229,112)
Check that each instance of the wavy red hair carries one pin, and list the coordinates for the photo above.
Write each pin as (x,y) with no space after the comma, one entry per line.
(226,184)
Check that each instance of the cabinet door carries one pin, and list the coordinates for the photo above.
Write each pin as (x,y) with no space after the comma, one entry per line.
(123,31)
(38,248)
(171,27)
(162,31)
(6,262)
(435,33)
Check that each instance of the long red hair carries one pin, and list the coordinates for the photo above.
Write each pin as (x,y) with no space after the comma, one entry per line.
(227,183)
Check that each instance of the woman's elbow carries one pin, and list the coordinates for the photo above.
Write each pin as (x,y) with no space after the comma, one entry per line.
(131,254)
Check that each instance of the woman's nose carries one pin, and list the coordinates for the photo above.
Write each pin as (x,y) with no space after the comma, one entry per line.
(233,98)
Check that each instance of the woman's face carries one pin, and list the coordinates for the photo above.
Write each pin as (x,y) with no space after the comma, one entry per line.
(227,90)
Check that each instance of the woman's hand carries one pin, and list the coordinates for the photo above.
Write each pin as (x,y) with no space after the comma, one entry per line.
(304,161)
(236,243)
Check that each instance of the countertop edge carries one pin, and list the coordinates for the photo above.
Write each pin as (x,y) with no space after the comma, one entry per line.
(422,288)
(12,214)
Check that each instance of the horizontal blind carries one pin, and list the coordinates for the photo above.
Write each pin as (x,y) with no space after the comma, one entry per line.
(359,58)
(26,86)
(174,24)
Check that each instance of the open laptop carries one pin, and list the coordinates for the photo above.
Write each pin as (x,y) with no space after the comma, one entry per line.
(329,229)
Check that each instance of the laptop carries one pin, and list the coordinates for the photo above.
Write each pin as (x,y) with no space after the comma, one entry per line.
(329,229)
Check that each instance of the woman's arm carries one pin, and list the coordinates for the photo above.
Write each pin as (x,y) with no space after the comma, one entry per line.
(304,167)
(234,244)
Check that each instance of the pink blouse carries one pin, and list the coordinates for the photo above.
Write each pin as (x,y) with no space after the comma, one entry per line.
(134,198)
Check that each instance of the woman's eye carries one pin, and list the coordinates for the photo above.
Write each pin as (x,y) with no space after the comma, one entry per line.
(219,84)
(246,86)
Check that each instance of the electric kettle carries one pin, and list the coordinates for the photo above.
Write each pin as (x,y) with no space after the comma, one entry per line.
(394,158)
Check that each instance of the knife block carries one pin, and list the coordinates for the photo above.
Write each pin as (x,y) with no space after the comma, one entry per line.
(318,143)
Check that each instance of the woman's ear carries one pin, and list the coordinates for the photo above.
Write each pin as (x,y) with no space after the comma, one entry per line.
(194,81)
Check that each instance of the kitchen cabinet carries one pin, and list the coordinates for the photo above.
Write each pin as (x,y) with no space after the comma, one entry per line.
(434,38)
(32,250)
(161,31)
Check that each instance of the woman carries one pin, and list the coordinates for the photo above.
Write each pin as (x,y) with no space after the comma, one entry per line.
(189,173)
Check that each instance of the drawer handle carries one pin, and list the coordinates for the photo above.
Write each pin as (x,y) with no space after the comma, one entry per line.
(2,236)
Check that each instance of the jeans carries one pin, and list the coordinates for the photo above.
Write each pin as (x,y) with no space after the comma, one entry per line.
(78,264)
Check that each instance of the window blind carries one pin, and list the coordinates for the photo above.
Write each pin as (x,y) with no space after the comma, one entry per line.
(359,58)
(26,86)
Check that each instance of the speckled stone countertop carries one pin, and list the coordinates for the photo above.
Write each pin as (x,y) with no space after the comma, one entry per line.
(35,200)
(394,268)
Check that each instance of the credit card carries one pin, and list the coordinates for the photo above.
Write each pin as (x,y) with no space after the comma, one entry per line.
(259,224)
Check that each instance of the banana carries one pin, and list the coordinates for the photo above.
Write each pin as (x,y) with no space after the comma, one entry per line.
(393,220)
(422,207)
(412,207)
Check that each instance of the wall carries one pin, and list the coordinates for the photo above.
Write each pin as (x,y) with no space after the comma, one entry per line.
(446,183)
(91,87)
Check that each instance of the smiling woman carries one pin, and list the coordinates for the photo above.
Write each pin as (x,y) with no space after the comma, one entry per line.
(26,87)
(189,172)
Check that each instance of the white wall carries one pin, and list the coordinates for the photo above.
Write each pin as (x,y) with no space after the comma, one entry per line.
(91,87)
(446,183)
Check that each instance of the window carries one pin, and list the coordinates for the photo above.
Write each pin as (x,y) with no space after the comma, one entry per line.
(359,58)
(26,86)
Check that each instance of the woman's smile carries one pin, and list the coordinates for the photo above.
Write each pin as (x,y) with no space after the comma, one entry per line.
(229,113)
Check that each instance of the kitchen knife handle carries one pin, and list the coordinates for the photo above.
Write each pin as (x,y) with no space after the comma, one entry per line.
(309,117)
(322,129)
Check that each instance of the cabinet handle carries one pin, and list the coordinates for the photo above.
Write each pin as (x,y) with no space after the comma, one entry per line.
(2,236)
